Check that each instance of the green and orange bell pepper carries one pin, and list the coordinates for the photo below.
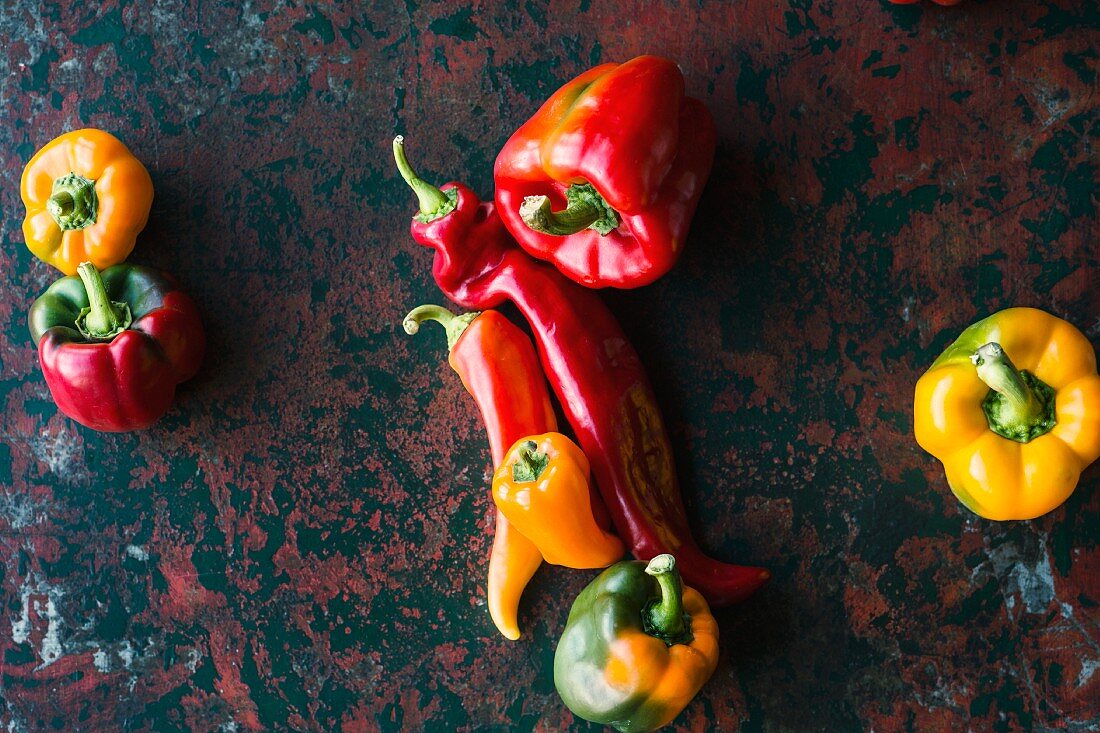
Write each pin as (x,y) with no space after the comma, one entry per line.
(604,179)
(637,647)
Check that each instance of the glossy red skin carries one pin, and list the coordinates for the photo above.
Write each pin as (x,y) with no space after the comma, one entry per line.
(129,382)
(498,367)
(629,131)
(598,379)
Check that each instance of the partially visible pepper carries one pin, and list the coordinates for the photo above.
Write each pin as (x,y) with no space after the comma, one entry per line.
(595,372)
(636,648)
(542,487)
(498,367)
(114,345)
(1012,409)
(87,197)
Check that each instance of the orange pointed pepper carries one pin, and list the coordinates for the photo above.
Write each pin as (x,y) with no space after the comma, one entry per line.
(497,364)
(87,197)
(1012,409)
(542,487)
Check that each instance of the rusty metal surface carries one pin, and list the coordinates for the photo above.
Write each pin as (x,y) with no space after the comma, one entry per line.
(301,543)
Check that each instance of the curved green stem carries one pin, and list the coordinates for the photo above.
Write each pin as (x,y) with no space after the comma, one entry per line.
(585,209)
(530,463)
(434,203)
(1019,406)
(454,325)
(103,319)
(665,618)
(73,202)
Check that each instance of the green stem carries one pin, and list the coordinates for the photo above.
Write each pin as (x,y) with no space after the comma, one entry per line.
(73,202)
(454,325)
(665,617)
(1020,406)
(434,203)
(103,319)
(537,214)
(585,209)
(530,464)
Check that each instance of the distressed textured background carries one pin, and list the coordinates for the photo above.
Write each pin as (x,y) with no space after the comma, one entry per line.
(301,543)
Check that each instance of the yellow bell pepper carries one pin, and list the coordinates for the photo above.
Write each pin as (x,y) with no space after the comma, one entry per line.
(87,197)
(1012,409)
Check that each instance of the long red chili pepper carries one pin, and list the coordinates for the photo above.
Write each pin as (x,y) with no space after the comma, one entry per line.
(595,373)
(498,367)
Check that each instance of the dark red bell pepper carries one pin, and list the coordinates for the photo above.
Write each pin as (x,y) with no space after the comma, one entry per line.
(114,345)
(604,179)
(594,371)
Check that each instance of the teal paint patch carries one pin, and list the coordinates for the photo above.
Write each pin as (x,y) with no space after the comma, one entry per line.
(39,71)
(907,130)
(752,88)
(1081,64)
(458,25)
(872,58)
(889,72)
(1050,227)
(848,166)
(316,23)
(107,28)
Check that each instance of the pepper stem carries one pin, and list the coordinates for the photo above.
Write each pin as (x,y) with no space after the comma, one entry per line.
(454,325)
(586,209)
(434,203)
(103,319)
(1019,406)
(73,203)
(665,617)
(530,463)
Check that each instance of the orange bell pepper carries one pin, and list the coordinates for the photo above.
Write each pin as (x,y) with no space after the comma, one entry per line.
(542,488)
(87,197)
(1012,408)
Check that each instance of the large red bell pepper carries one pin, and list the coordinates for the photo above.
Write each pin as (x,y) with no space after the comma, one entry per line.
(594,371)
(622,155)
(114,345)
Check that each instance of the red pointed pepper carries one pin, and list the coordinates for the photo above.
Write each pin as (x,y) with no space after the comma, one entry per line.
(114,345)
(498,367)
(604,179)
(594,371)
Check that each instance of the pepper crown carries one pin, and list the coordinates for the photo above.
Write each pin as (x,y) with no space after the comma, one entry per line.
(530,464)
(104,318)
(665,617)
(1019,406)
(454,325)
(73,202)
(434,203)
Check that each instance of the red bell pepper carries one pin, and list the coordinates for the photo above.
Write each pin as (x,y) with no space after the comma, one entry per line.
(594,371)
(623,155)
(114,345)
